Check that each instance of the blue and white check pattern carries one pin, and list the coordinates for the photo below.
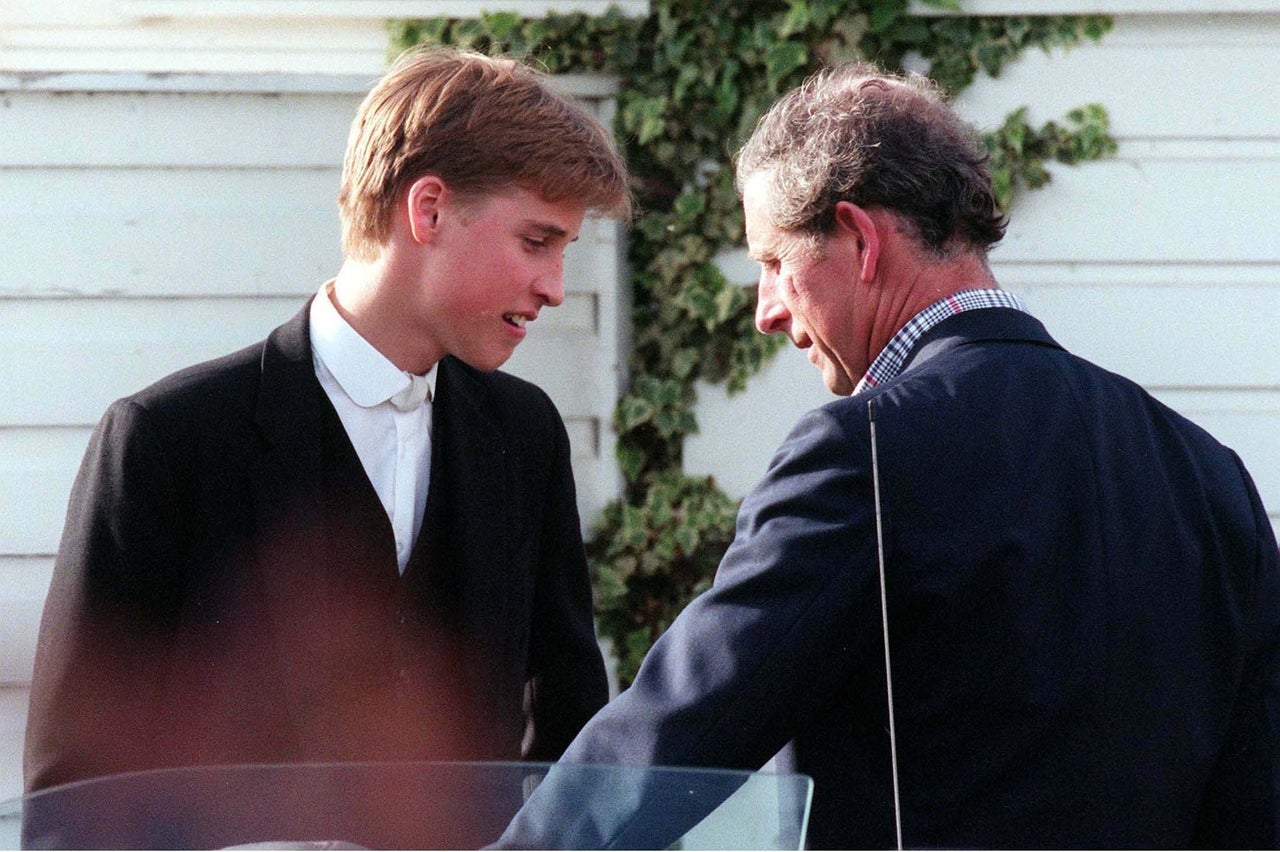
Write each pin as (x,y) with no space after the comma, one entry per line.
(888,363)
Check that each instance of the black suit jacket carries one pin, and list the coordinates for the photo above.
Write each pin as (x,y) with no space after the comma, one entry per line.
(226,589)
(1084,611)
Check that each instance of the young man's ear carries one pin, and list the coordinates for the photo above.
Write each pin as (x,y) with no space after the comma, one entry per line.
(856,223)
(424,202)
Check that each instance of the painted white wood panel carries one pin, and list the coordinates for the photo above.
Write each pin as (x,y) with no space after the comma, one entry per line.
(37,467)
(187,232)
(26,582)
(1187,336)
(86,35)
(165,36)
(219,9)
(174,129)
(347,36)
(1158,79)
(1144,211)
(160,231)
(13,722)
(1092,7)
(65,360)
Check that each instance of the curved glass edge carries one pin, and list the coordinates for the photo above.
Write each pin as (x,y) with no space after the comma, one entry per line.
(416,805)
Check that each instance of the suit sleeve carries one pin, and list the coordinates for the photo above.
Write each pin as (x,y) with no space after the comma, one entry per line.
(567,683)
(102,648)
(1241,808)
(793,609)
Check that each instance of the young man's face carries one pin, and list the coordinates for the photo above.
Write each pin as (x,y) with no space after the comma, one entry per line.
(492,265)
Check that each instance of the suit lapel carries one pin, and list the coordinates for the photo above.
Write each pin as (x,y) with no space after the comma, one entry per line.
(286,482)
(471,483)
(286,486)
(309,469)
(324,551)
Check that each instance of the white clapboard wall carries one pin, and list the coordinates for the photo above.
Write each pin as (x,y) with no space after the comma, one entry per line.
(147,223)
(1162,264)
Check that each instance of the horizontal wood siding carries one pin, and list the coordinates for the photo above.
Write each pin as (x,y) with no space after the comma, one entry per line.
(1161,264)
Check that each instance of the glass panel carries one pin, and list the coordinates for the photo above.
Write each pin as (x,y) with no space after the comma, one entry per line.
(416,805)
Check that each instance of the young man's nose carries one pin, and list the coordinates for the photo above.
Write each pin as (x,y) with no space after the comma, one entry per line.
(550,286)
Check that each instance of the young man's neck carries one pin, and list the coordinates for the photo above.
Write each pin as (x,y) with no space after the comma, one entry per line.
(367,294)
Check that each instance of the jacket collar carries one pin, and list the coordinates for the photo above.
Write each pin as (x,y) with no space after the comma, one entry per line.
(469,466)
(978,326)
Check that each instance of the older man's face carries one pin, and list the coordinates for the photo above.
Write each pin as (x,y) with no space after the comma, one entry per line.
(809,291)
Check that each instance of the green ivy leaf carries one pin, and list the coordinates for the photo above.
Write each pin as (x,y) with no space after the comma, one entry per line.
(502,26)
(684,362)
(631,459)
(796,19)
(690,205)
(633,411)
(783,60)
(885,13)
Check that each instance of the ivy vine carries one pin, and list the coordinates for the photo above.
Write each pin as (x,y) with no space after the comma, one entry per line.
(695,77)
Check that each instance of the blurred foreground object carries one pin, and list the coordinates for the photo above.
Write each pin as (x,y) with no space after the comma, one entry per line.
(419,805)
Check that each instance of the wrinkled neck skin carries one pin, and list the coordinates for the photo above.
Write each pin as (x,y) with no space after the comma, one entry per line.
(908,279)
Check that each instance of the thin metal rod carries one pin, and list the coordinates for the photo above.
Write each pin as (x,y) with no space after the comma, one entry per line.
(884,621)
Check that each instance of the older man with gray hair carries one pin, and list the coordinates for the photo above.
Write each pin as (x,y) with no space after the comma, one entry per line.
(993,595)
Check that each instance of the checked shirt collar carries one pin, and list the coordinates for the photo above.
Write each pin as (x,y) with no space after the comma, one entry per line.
(889,362)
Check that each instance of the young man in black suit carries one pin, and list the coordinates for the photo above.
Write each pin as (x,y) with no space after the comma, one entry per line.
(355,540)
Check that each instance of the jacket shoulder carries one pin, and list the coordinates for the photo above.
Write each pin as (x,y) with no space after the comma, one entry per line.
(219,387)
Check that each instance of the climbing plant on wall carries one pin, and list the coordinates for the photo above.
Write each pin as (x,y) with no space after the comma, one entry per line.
(695,77)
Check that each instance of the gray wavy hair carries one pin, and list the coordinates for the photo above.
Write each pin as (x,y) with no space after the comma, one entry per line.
(854,133)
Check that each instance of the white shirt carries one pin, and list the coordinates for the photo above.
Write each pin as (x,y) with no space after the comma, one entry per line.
(394,446)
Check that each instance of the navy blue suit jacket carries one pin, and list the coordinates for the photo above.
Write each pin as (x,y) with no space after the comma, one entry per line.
(1084,608)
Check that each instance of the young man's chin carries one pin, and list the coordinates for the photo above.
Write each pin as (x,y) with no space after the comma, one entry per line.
(485,362)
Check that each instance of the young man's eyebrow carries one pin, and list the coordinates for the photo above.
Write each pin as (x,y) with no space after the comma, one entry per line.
(547,229)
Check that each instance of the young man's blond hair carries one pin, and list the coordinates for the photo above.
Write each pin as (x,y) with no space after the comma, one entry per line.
(481,124)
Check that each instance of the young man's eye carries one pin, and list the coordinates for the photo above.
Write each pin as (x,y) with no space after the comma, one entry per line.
(536,243)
